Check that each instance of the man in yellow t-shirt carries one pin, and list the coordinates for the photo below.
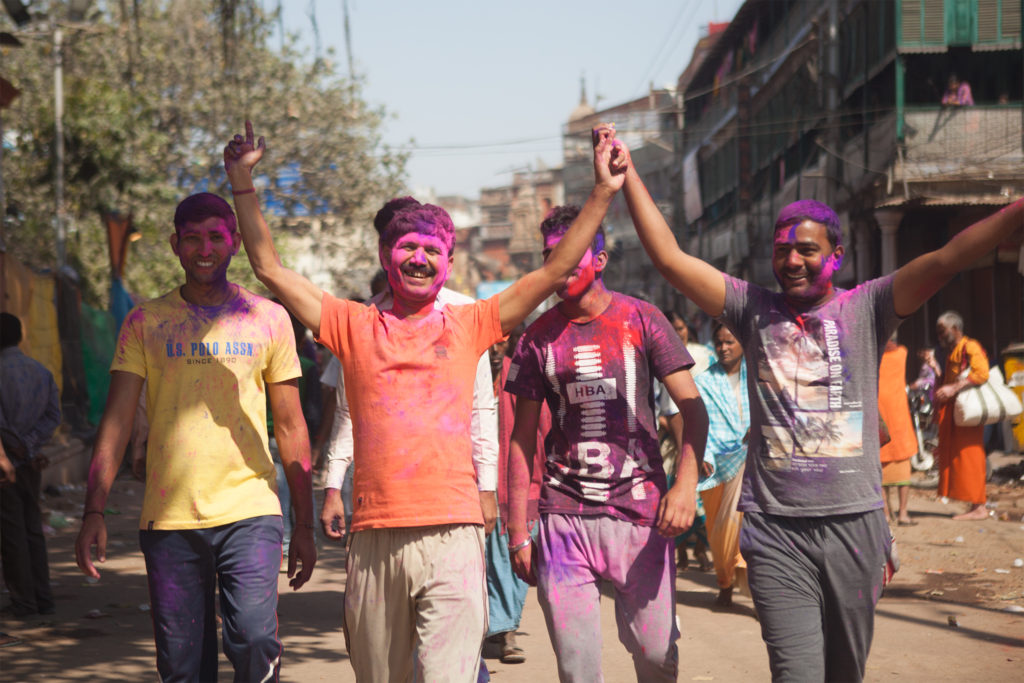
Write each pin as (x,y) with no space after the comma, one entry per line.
(213,354)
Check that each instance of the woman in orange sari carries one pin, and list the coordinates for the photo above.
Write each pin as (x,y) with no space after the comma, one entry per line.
(894,410)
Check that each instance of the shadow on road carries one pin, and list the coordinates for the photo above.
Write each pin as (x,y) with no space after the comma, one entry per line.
(955,610)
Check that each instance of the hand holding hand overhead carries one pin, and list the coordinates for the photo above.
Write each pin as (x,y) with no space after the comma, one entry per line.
(611,158)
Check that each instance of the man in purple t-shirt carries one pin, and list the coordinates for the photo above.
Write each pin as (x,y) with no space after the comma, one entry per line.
(606,510)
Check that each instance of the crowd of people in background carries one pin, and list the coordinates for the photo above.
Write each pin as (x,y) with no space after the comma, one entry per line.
(575,451)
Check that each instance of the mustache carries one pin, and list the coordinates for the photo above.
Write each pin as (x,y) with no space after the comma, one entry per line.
(419,269)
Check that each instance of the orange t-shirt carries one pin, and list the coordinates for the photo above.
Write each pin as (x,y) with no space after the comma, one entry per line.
(409,385)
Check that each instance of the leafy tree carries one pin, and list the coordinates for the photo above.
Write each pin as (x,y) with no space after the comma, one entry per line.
(153,91)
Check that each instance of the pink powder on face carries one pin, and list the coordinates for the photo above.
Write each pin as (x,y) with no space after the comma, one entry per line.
(417,266)
(581,278)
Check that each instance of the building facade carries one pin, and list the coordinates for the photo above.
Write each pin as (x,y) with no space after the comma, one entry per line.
(504,243)
(843,102)
(650,126)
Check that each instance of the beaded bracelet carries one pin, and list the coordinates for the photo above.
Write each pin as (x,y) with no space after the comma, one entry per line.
(519,546)
(238,192)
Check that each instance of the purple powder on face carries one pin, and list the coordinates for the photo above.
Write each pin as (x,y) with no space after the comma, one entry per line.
(811,210)
(388,211)
(198,207)
(426,219)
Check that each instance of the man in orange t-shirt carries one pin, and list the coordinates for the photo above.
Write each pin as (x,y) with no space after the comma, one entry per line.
(415,592)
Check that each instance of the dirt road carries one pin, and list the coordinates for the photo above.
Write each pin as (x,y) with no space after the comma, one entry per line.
(951,573)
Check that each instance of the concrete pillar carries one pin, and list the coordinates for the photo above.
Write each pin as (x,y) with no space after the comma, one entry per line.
(889,224)
(861,234)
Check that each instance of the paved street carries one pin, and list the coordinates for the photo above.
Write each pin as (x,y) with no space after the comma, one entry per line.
(102,631)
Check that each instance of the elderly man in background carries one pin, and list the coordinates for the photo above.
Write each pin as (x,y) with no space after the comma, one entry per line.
(961,450)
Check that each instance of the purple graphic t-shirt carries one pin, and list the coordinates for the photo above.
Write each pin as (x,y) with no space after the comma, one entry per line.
(813,382)
(602,450)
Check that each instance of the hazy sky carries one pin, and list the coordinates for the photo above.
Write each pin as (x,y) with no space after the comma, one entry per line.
(482,88)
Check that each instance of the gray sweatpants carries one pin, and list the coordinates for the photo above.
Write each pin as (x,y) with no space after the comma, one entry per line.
(815,582)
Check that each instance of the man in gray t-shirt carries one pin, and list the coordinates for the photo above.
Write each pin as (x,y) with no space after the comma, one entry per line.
(814,397)
(814,534)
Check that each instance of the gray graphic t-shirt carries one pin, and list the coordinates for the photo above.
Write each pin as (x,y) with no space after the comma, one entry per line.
(813,382)
(602,450)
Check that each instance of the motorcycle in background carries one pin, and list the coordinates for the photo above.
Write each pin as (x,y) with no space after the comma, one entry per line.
(926,429)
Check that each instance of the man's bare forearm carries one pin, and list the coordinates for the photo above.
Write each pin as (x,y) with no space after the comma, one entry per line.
(293,444)
(917,281)
(699,281)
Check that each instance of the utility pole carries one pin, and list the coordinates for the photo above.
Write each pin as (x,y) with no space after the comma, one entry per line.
(830,78)
(58,125)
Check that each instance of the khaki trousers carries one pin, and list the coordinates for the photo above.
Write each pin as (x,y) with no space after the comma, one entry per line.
(416,603)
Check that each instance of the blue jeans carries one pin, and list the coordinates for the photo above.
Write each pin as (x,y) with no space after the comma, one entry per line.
(346,498)
(506,592)
(284,494)
(184,569)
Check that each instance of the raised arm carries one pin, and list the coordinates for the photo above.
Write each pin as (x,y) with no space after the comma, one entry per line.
(918,280)
(299,295)
(698,280)
(516,302)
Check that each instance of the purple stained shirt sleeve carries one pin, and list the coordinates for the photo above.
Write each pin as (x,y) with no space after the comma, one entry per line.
(524,374)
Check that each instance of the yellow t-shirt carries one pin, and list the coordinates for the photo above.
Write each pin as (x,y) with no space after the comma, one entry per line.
(207,461)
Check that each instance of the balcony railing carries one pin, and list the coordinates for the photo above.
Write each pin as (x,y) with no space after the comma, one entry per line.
(963,141)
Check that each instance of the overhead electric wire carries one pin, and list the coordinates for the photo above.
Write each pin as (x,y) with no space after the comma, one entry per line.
(753,68)
(659,59)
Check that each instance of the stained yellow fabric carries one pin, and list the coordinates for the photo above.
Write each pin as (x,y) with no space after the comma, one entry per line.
(32,298)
